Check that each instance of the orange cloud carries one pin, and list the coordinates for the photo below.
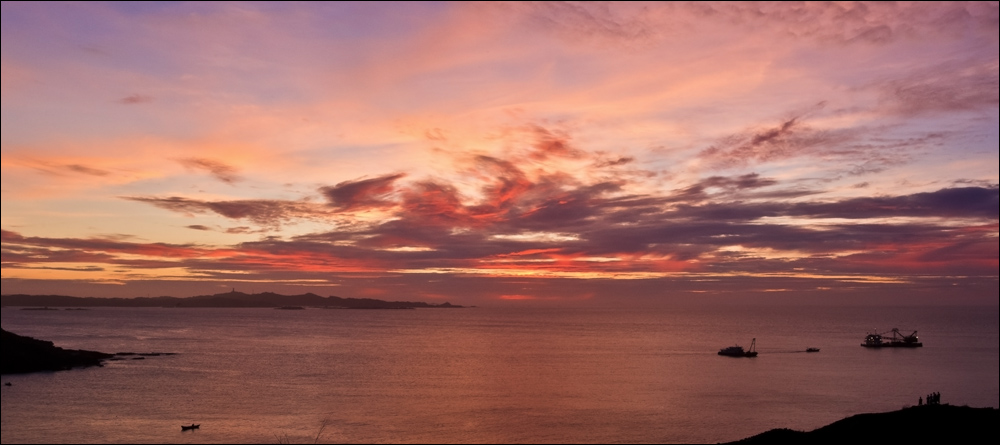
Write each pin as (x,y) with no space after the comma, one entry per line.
(517,297)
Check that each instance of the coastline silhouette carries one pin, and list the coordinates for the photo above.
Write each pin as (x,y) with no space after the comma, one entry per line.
(919,424)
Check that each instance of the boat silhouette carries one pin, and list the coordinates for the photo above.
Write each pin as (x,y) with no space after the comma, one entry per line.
(189,427)
(738,351)
(897,340)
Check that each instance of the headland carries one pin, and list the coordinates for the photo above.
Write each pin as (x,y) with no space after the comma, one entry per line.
(919,424)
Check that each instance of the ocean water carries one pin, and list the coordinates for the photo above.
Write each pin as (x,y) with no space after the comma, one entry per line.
(486,375)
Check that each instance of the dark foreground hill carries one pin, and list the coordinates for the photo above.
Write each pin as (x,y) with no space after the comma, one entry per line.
(23,355)
(922,424)
(227,300)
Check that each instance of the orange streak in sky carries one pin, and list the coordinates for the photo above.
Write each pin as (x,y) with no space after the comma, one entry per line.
(517,297)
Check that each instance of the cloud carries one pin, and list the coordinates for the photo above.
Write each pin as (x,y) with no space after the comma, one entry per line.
(789,139)
(873,23)
(851,150)
(566,209)
(362,194)
(200,228)
(8,237)
(944,88)
(569,220)
(968,202)
(552,143)
(135,99)
(596,22)
(623,160)
(584,231)
(727,185)
(436,134)
(82,169)
(56,169)
(853,23)
(433,204)
(71,269)
(268,213)
(56,249)
(241,230)
(221,171)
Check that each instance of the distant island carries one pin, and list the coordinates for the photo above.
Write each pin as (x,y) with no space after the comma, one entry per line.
(23,355)
(919,424)
(227,300)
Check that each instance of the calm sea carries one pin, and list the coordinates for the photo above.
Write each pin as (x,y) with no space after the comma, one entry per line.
(484,375)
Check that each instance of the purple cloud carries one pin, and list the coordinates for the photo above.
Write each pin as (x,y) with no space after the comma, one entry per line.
(269,213)
(362,194)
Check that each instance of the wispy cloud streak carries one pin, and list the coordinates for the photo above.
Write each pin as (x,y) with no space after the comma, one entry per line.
(221,171)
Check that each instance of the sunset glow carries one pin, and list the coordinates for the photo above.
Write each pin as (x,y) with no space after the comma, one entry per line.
(477,152)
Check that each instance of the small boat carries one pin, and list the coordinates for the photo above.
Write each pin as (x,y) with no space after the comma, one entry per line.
(897,340)
(812,350)
(7,384)
(738,351)
(189,427)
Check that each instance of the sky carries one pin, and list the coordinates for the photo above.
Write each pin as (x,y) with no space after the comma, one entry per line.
(502,152)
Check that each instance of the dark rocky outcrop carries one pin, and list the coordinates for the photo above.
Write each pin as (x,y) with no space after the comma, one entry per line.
(23,355)
(921,424)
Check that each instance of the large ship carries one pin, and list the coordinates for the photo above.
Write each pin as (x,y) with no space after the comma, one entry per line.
(897,340)
(738,351)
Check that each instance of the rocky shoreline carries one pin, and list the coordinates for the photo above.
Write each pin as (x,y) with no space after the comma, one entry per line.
(25,355)
(919,424)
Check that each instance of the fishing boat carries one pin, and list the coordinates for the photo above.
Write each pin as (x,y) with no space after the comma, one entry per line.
(738,351)
(897,340)
(189,427)
(812,350)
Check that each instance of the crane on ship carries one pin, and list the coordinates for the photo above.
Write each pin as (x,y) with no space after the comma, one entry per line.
(912,338)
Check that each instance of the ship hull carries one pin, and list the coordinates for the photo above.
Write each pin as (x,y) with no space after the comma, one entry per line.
(738,354)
